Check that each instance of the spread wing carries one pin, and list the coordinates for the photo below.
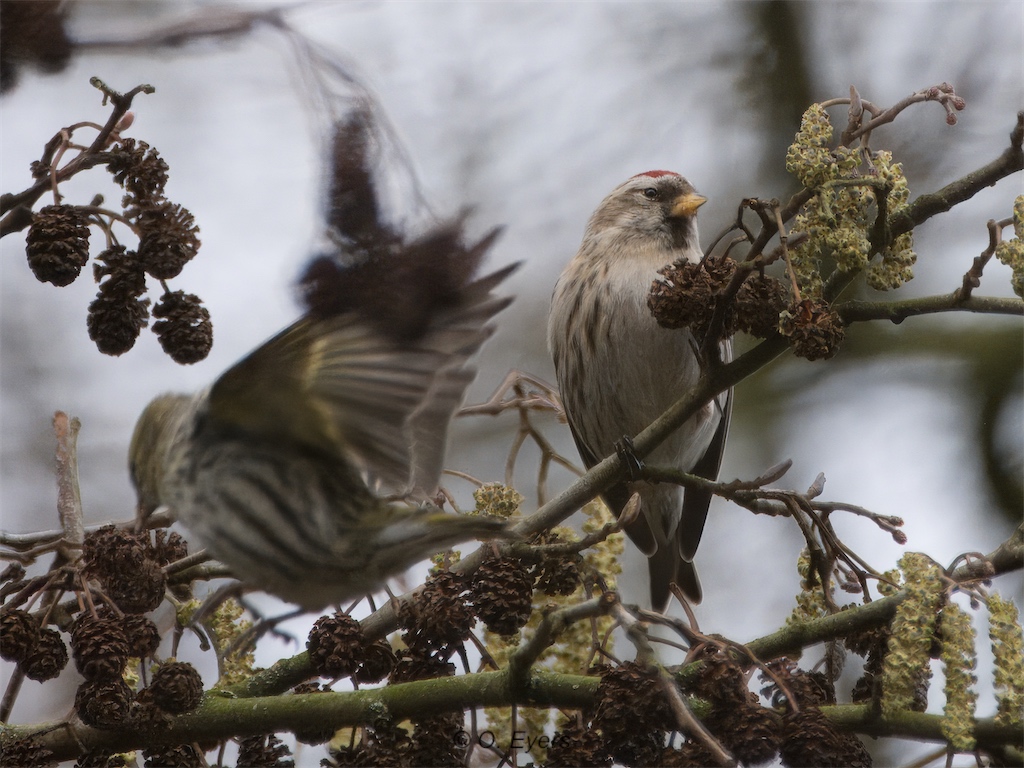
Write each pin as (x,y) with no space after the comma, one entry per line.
(343,387)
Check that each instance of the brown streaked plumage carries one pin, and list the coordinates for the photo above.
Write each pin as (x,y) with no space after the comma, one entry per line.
(618,370)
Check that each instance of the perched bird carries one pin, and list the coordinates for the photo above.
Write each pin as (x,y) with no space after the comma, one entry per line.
(618,370)
(308,467)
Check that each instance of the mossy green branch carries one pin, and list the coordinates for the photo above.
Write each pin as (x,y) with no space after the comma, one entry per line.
(221,717)
(862,719)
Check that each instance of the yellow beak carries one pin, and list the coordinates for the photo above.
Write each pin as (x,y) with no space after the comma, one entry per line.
(687,205)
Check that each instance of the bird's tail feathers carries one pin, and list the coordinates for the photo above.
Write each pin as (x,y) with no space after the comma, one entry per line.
(666,567)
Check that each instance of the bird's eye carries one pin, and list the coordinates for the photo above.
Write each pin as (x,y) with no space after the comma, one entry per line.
(651,193)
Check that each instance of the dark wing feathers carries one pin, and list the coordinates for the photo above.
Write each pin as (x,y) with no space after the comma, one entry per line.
(697,502)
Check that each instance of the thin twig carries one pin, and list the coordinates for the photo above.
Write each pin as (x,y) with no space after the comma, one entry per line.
(972,278)
(69,495)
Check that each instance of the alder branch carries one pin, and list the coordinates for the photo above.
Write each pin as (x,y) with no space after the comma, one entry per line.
(925,206)
(794,638)
(931,204)
(861,718)
(220,717)
(20,543)
(942,93)
(69,495)
(550,627)
(855,311)
(972,277)
(15,220)
(753,496)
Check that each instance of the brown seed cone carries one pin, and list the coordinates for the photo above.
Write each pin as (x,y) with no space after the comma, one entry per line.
(864,689)
(686,294)
(336,645)
(809,740)
(556,575)
(111,551)
(630,705)
(102,758)
(414,666)
(47,659)
(752,734)
(810,689)
(640,750)
(722,683)
(181,756)
(139,169)
(758,304)
(384,744)
(502,594)
(440,619)
(176,688)
(140,591)
(184,329)
(27,752)
(377,663)
(814,330)
(167,547)
(57,244)
(167,238)
(100,647)
(263,752)
(118,313)
(143,636)
(577,745)
(436,741)
(691,754)
(359,756)
(103,704)
(19,632)
(868,642)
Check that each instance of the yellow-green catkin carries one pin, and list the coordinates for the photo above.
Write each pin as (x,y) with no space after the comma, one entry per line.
(810,601)
(907,662)
(840,219)
(809,157)
(1004,631)
(959,659)
(130,673)
(1011,252)
(224,627)
(895,266)
(889,584)
(497,499)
